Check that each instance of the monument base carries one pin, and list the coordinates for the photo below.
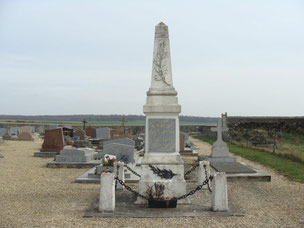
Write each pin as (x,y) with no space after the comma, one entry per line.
(169,178)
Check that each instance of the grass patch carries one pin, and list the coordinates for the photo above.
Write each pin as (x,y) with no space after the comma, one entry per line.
(293,169)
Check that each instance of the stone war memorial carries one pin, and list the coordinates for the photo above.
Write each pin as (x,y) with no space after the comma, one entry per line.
(162,173)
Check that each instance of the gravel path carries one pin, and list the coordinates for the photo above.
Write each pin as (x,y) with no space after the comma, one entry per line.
(32,195)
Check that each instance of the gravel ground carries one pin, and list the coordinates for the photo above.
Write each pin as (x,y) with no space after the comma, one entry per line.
(32,195)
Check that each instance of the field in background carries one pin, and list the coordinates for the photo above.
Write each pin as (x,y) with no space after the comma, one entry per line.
(291,168)
(96,123)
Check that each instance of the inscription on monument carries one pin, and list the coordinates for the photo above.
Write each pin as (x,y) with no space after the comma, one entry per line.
(161,136)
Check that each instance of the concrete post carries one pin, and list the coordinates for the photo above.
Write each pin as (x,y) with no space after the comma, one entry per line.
(121,175)
(107,193)
(201,172)
(219,192)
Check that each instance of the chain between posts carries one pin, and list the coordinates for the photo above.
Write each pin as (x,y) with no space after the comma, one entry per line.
(199,187)
(132,171)
(191,169)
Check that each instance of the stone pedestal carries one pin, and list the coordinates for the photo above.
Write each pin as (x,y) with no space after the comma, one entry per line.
(162,124)
(219,192)
(107,193)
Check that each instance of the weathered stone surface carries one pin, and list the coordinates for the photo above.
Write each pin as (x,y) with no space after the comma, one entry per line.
(161,135)
(1,156)
(125,141)
(122,152)
(76,155)
(103,133)
(53,140)
(2,131)
(219,192)
(107,193)
(162,124)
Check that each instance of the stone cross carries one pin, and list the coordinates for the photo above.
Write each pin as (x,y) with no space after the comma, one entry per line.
(219,129)
(84,123)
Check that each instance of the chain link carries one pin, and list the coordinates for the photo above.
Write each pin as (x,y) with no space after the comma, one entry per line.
(130,189)
(199,187)
(191,169)
(132,171)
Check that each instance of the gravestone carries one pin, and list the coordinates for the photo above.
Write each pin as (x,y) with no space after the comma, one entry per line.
(219,150)
(162,124)
(53,140)
(26,133)
(13,131)
(82,155)
(89,131)
(103,133)
(121,136)
(123,152)
(116,133)
(2,131)
(125,141)
(80,133)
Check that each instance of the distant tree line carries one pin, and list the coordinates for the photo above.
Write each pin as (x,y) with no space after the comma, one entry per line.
(95,118)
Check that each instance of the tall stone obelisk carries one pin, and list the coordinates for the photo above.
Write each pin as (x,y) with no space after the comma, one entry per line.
(162,124)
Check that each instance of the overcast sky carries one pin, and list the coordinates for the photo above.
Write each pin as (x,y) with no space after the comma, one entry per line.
(95,57)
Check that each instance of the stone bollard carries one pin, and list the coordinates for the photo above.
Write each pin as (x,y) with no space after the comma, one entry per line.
(219,192)
(107,193)
(201,172)
(121,175)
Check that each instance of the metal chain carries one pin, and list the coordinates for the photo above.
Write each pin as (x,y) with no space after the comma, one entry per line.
(130,189)
(117,173)
(191,169)
(210,178)
(199,187)
(132,171)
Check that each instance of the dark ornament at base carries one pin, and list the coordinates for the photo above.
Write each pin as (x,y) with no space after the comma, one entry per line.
(154,203)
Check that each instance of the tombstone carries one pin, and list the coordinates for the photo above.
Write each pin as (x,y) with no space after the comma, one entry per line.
(2,131)
(121,136)
(219,150)
(89,131)
(123,152)
(53,140)
(125,141)
(26,133)
(52,126)
(162,124)
(116,133)
(80,133)
(13,131)
(82,155)
(103,133)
